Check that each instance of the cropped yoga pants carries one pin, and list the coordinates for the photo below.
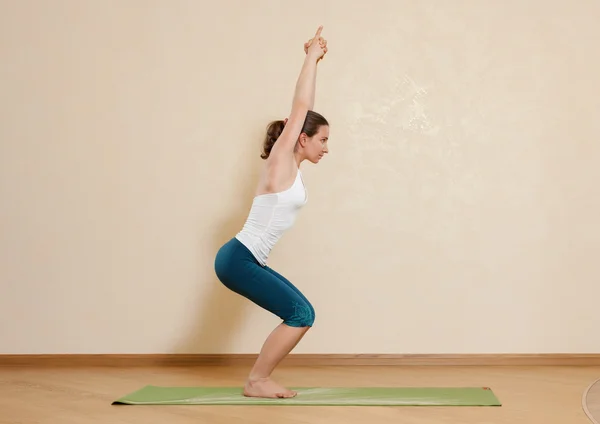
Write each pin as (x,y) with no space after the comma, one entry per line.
(240,272)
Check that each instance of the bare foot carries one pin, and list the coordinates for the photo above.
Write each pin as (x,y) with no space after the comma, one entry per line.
(266,388)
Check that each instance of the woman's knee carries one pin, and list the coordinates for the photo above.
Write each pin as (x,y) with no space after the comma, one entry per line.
(303,315)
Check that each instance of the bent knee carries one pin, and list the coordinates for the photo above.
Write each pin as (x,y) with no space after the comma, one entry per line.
(303,316)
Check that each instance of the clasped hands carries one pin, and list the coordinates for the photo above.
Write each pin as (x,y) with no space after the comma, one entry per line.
(318,49)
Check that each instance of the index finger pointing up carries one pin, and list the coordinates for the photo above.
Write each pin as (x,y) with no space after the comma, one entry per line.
(318,34)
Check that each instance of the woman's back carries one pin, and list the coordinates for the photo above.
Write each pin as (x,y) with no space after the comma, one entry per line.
(270,216)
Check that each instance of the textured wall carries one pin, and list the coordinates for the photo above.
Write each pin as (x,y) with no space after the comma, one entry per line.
(456,213)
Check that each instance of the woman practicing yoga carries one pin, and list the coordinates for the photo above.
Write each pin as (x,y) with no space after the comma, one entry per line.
(241,264)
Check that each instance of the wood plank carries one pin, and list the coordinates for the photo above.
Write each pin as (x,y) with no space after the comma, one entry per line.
(132,360)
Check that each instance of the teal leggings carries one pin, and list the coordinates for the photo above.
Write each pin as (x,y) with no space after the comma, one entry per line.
(241,273)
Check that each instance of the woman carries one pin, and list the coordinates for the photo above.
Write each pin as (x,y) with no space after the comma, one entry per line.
(241,264)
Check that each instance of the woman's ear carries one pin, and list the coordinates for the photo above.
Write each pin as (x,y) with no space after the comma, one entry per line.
(302,139)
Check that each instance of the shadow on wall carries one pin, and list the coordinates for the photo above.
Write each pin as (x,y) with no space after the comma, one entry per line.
(220,311)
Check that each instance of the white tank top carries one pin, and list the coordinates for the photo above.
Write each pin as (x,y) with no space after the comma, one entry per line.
(270,216)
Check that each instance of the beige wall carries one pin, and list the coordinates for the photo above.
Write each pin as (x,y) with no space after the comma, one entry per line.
(457,212)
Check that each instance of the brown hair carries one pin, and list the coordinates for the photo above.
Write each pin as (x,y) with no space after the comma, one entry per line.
(311,126)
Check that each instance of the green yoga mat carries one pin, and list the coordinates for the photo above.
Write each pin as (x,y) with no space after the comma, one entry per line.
(314,396)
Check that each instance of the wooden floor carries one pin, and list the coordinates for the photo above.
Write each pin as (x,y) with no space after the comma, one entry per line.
(532,394)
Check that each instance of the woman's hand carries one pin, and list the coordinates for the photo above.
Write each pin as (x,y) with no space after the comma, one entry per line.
(317,49)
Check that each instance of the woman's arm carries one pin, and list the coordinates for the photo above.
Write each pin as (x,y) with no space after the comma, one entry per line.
(304,97)
(324,46)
